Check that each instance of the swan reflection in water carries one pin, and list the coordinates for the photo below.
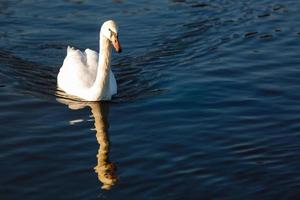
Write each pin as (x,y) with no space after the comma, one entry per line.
(104,168)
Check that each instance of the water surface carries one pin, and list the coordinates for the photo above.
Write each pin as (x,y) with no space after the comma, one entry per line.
(208,103)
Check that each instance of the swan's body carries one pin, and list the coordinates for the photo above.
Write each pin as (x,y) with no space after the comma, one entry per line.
(87,74)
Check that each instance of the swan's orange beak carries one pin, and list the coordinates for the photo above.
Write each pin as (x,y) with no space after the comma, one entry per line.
(117,45)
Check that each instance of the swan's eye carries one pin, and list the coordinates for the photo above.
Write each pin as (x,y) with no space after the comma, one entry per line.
(112,33)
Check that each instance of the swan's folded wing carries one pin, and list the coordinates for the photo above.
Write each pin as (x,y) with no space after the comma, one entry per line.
(92,59)
(75,55)
(75,70)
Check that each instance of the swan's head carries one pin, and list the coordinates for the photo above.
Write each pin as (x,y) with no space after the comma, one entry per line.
(109,30)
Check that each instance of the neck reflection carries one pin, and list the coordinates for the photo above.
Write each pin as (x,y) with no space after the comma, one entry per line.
(104,168)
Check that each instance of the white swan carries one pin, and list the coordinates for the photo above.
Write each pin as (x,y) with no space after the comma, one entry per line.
(87,75)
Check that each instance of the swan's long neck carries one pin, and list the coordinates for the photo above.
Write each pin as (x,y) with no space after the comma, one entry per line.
(100,87)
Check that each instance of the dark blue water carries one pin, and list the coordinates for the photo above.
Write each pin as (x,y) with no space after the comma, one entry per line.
(208,104)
